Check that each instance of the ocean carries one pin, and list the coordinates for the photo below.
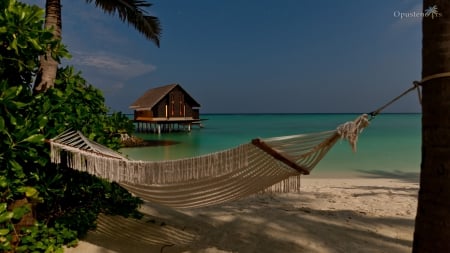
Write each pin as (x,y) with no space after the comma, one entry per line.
(389,147)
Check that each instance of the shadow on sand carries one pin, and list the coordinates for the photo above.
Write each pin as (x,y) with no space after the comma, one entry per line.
(249,226)
(410,177)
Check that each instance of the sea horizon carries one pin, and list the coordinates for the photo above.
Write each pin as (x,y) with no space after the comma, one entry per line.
(289,113)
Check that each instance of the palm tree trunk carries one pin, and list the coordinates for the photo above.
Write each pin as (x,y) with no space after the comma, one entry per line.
(48,66)
(432,228)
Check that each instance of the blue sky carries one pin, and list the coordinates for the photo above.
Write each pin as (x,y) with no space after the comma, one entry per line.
(255,56)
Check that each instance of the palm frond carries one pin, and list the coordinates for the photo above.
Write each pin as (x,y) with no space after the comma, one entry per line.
(133,12)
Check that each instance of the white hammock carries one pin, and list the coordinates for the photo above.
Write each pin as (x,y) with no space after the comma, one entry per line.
(273,164)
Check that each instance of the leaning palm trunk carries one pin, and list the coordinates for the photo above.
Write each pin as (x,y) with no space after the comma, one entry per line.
(131,11)
(432,229)
(46,76)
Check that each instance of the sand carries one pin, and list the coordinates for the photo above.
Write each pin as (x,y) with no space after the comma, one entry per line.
(330,215)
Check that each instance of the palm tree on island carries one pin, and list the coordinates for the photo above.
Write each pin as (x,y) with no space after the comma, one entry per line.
(131,11)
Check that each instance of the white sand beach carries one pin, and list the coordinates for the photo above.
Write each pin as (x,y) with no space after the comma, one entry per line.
(330,215)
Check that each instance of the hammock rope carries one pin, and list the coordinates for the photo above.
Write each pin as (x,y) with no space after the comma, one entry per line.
(271,165)
(416,86)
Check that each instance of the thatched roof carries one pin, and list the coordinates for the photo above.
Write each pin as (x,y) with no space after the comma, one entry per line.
(152,96)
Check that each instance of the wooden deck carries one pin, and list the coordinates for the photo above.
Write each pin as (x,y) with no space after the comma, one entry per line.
(165,125)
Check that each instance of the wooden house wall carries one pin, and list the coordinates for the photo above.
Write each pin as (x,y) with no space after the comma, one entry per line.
(160,108)
(196,113)
(177,106)
(143,115)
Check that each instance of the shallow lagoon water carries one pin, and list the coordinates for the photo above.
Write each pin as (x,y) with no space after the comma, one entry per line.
(390,146)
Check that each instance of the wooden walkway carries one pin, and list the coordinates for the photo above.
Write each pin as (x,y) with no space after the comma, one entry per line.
(166,125)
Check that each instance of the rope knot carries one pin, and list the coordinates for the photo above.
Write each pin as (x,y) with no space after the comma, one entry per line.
(350,130)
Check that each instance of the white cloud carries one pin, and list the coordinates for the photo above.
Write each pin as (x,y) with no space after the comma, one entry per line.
(119,67)
(404,18)
(108,72)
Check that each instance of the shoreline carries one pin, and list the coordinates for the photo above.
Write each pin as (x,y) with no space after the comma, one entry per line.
(408,176)
(330,214)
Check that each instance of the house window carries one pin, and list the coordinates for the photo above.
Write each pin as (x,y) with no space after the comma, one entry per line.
(172,105)
(181,104)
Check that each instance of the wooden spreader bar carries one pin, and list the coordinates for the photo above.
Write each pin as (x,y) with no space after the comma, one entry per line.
(269,150)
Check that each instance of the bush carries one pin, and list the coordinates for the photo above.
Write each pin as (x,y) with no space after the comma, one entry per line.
(61,203)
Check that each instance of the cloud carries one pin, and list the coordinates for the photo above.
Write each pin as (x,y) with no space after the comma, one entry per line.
(120,67)
(404,18)
(108,72)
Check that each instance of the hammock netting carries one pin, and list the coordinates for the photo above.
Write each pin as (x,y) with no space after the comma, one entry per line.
(271,165)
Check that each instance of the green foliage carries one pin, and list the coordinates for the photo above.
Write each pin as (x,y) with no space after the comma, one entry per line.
(41,238)
(6,228)
(23,39)
(74,198)
(74,103)
(20,138)
(36,238)
(66,202)
(21,147)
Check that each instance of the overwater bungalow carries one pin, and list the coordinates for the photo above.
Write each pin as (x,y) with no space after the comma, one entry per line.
(165,109)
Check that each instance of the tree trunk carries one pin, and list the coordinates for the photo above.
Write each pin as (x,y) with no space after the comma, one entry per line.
(46,75)
(432,228)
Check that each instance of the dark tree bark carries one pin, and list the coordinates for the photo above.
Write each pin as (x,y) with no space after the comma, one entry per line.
(432,228)
(48,66)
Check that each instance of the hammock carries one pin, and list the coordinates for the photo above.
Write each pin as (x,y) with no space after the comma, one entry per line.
(271,164)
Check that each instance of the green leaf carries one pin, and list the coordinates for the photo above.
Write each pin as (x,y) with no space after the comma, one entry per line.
(15,165)
(19,212)
(19,104)
(35,138)
(28,190)
(10,92)
(43,121)
(3,183)
(13,120)
(3,207)
(22,248)
(4,231)
(13,45)
(6,216)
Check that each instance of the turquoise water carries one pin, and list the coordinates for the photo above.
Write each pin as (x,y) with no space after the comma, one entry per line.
(389,146)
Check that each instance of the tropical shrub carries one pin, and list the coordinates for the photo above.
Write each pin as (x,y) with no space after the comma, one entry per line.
(44,206)
(74,198)
(23,39)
